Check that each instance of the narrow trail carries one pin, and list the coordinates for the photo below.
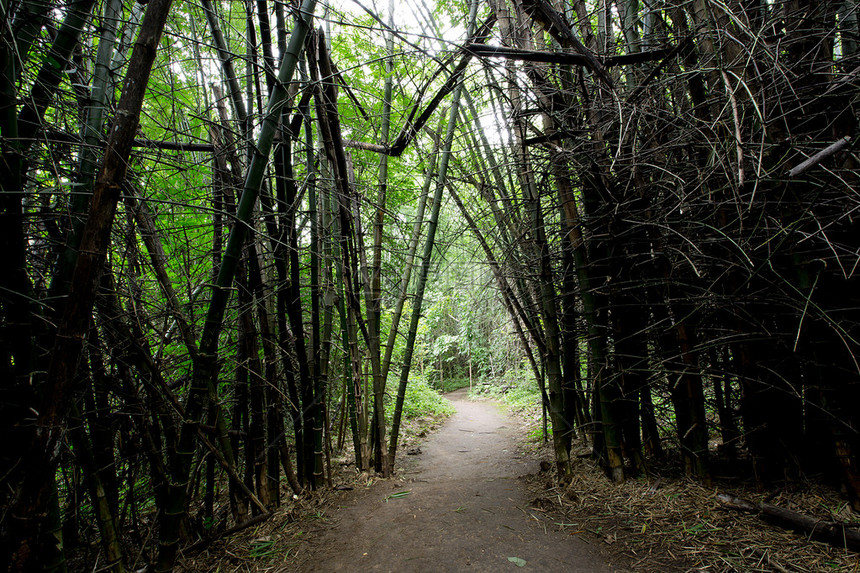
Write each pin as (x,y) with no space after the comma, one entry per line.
(465,510)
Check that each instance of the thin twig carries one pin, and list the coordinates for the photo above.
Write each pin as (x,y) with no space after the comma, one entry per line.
(831,149)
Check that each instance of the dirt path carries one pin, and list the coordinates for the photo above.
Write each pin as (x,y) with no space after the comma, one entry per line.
(465,510)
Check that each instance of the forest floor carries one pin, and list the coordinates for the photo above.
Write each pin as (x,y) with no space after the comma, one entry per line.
(476,495)
(458,505)
(460,501)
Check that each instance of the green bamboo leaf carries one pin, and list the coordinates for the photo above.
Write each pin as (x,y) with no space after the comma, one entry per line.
(397,495)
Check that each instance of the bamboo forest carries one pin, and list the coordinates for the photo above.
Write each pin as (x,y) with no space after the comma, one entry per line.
(245,245)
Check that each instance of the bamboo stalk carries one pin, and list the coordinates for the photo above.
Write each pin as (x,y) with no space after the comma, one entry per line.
(205,366)
(424,269)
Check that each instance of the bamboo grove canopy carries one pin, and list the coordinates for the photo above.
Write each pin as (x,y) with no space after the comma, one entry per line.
(221,224)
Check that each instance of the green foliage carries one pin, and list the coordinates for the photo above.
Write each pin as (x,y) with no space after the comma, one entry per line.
(519,391)
(517,388)
(397,495)
(537,434)
(420,400)
(263,548)
(450,383)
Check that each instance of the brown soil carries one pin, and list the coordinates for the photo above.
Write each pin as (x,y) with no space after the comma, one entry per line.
(456,506)
(476,496)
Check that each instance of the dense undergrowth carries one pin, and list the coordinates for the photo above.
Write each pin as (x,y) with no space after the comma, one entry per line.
(421,400)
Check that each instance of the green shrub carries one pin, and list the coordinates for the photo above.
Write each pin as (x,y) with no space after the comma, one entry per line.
(420,400)
(450,383)
(516,388)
